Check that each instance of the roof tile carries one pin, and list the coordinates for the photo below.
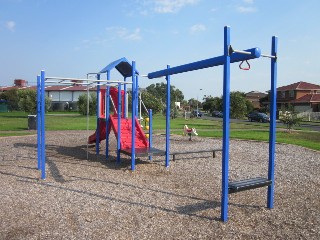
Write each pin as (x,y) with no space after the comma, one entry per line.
(299,86)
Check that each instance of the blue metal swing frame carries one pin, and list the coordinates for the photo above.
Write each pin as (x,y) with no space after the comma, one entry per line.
(230,56)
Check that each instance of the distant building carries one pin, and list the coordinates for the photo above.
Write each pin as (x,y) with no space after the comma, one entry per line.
(62,97)
(177,105)
(17,84)
(303,96)
(254,97)
(20,83)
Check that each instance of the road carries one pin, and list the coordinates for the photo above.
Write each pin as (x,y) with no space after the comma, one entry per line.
(304,125)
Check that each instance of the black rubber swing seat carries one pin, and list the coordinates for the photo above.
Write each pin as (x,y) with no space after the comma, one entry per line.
(247,184)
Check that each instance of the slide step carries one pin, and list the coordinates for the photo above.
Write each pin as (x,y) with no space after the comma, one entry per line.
(248,184)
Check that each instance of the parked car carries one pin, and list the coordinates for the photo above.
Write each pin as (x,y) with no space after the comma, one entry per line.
(196,113)
(258,117)
(217,114)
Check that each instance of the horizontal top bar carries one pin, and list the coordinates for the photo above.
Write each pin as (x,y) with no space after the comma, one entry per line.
(62,79)
(268,56)
(211,62)
(93,73)
(64,82)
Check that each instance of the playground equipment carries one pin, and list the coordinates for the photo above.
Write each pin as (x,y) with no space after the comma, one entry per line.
(131,139)
(119,123)
(230,56)
(130,142)
(189,132)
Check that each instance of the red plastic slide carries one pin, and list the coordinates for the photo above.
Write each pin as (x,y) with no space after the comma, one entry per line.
(126,133)
(92,138)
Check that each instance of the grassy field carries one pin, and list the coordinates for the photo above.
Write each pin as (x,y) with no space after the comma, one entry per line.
(16,124)
(18,121)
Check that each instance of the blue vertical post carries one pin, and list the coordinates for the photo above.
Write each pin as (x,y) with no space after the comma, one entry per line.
(168,121)
(133,123)
(43,137)
(39,121)
(107,103)
(272,131)
(137,96)
(124,114)
(150,131)
(226,119)
(119,122)
(98,116)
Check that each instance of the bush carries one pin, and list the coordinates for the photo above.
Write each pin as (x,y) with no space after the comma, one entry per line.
(28,101)
(239,106)
(12,97)
(290,119)
(82,103)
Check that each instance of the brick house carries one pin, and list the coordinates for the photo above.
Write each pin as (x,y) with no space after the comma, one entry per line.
(303,96)
(254,97)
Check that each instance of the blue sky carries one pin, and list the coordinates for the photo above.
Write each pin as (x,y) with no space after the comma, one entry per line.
(70,38)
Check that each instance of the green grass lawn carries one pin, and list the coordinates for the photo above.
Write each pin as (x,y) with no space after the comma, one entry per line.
(16,123)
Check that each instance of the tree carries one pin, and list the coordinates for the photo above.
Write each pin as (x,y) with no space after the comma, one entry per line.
(159,90)
(152,102)
(290,119)
(264,107)
(194,103)
(212,104)
(249,105)
(82,103)
(12,98)
(238,106)
(28,101)
(288,116)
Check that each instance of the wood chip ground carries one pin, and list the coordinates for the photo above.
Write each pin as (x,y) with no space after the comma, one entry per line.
(96,198)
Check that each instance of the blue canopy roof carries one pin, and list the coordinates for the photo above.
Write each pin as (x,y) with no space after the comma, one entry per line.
(122,65)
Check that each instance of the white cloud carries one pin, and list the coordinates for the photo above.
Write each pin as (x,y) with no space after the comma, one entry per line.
(171,6)
(197,28)
(11,25)
(134,36)
(125,34)
(246,9)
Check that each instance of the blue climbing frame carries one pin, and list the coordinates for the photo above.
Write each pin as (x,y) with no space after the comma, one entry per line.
(124,67)
(230,56)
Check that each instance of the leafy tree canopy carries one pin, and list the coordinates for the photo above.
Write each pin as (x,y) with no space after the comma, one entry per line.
(159,90)
(239,105)
(28,101)
(12,97)
(83,103)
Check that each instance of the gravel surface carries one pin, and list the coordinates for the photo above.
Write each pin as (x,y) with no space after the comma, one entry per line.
(98,199)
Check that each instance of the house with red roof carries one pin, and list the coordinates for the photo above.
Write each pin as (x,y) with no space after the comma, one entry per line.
(303,96)
(62,97)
